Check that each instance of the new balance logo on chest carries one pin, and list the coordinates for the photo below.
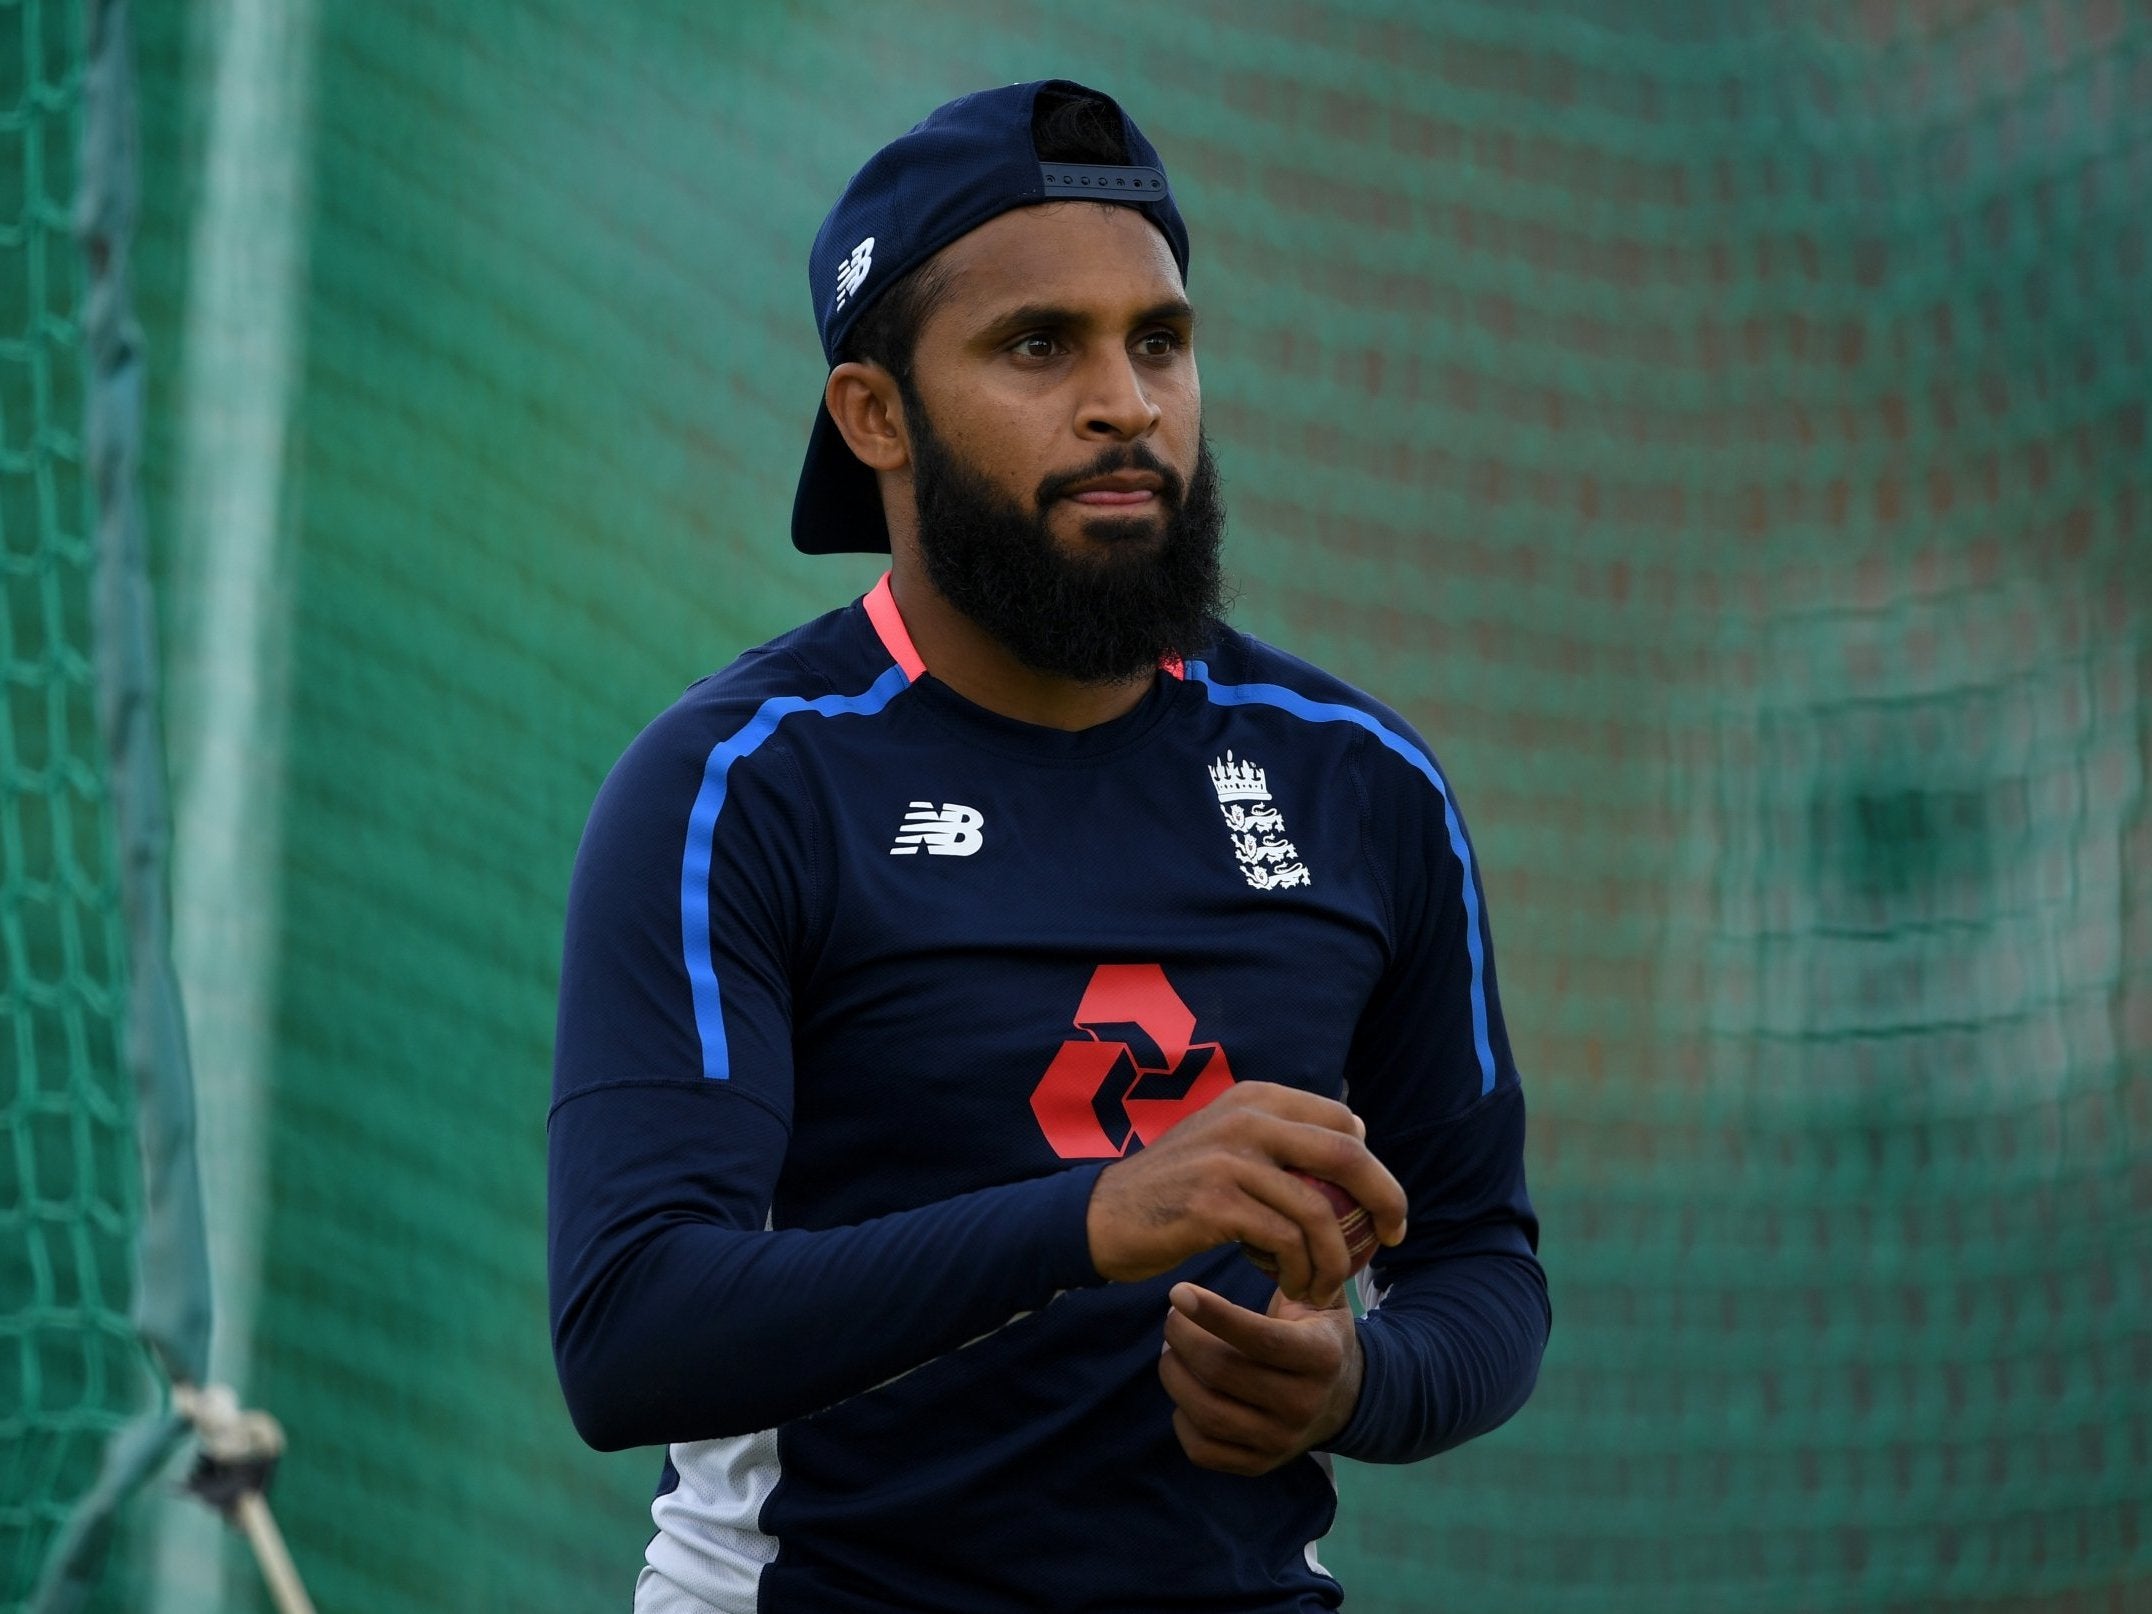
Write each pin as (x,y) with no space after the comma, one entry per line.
(950,830)
(1268,861)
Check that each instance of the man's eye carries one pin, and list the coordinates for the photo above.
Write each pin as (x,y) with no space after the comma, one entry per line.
(1035,347)
(1157,344)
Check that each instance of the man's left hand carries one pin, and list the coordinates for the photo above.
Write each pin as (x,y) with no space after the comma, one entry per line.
(1254,1390)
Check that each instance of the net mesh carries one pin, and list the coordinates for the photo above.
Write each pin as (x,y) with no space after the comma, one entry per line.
(1721,427)
(67,1162)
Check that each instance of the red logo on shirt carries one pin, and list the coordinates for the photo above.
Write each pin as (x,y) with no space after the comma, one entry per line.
(1135,1073)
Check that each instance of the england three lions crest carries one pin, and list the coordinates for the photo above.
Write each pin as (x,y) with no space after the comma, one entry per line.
(1267,859)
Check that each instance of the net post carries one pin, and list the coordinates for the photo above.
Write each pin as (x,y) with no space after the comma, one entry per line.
(171,1304)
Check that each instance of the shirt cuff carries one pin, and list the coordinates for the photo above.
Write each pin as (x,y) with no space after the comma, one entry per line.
(1064,1223)
(1370,1430)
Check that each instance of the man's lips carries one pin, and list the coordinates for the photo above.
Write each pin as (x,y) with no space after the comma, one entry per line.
(1115,498)
(1117,490)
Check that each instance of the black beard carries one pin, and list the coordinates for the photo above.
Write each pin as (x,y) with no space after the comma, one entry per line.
(1110,617)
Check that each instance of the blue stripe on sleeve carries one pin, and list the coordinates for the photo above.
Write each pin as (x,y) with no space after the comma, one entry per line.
(1287,700)
(702,835)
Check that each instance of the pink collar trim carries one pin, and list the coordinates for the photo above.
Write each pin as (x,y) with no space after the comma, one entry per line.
(890,629)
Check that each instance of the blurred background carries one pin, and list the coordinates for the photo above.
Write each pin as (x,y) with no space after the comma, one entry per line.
(1720,425)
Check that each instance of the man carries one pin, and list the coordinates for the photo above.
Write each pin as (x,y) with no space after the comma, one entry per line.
(955,985)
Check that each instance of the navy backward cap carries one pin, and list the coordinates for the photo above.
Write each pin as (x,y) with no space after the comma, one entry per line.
(963,164)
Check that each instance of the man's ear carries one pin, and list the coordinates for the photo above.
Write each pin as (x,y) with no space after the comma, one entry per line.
(864,402)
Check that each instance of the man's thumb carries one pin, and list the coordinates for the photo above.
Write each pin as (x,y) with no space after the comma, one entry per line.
(1284,1307)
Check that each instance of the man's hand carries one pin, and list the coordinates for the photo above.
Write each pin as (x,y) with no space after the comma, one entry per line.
(1251,1392)
(1226,1173)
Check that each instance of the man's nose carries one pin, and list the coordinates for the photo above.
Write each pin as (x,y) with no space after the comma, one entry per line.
(1115,403)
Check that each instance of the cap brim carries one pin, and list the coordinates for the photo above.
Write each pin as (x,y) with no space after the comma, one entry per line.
(838,508)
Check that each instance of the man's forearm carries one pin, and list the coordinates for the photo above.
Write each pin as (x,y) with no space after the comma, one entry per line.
(671,1325)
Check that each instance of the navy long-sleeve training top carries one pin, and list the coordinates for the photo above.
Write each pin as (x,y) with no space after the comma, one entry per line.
(863,987)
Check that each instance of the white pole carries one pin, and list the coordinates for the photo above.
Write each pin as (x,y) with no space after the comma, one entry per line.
(237,384)
(252,1511)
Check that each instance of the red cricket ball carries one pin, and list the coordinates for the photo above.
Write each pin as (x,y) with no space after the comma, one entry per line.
(1353,1221)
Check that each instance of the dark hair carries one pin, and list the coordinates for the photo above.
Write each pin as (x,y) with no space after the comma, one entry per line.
(888,332)
(1066,127)
(1071,127)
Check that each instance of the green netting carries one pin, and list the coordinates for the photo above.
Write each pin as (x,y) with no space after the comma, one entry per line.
(1722,427)
(70,1372)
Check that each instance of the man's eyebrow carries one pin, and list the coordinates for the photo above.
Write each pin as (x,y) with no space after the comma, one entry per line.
(1059,317)
(1173,311)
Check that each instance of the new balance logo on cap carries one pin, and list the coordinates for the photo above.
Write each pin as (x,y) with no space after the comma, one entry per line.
(852,273)
(950,830)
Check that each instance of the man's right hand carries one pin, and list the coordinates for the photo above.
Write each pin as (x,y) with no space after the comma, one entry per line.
(1226,1173)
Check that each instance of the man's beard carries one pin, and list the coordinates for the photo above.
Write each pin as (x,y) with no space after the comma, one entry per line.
(1144,595)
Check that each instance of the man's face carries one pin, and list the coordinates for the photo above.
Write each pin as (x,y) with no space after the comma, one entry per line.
(1065,334)
(1066,501)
